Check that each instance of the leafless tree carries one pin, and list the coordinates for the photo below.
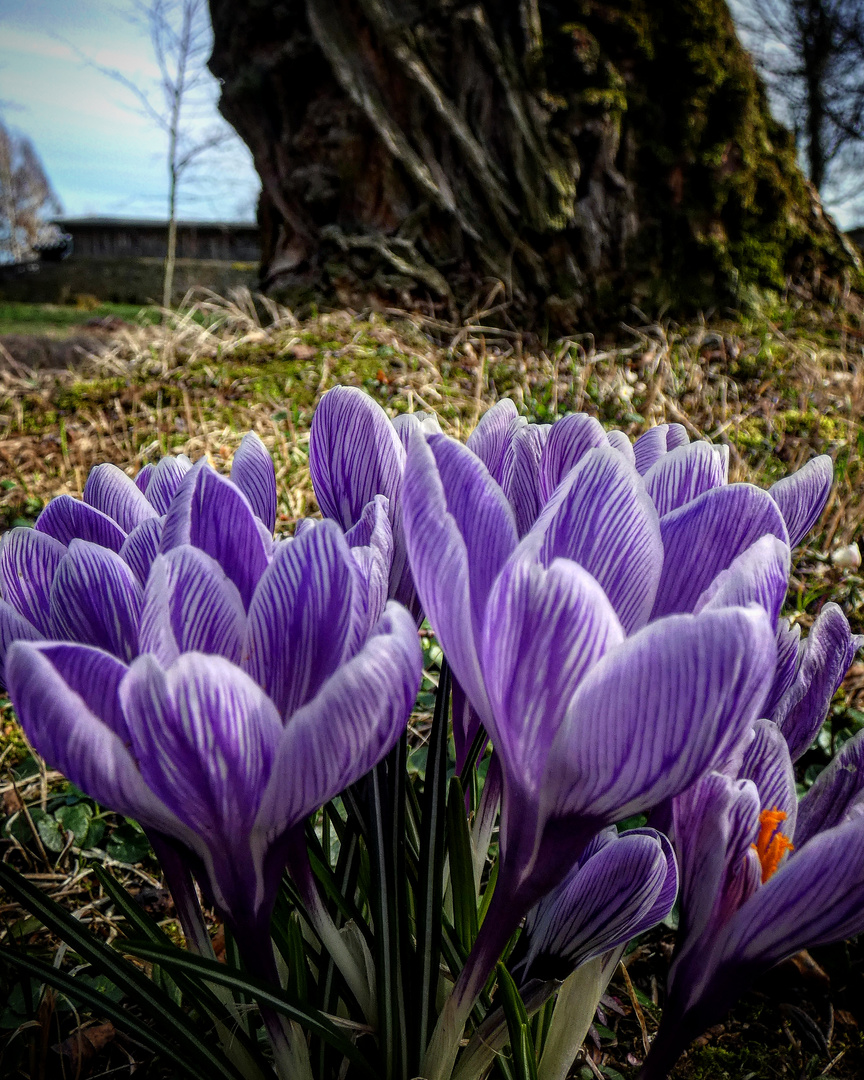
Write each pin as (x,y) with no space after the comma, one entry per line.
(26,198)
(182,97)
(811,53)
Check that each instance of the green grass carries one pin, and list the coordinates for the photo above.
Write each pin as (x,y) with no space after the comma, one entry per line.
(62,319)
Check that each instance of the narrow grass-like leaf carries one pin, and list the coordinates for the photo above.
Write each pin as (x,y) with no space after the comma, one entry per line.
(430,889)
(264,994)
(461,866)
(480,740)
(518,1026)
(175,1024)
(80,993)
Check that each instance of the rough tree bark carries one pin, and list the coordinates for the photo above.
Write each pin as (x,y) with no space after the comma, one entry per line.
(565,157)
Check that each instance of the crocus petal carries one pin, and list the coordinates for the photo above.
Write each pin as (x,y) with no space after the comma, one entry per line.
(141,547)
(768,764)
(143,476)
(667,894)
(788,639)
(619,441)
(191,606)
(165,479)
(676,435)
(715,822)
(354,455)
(407,425)
(826,655)
(570,439)
(835,791)
(759,575)
(209,512)
(705,536)
(459,530)
(253,472)
(650,447)
(602,518)
(204,735)
(28,562)
(67,519)
(802,496)
(110,490)
(301,619)
(348,727)
(658,711)
(600,905)
(96,600)
(520,475)
(545,629)
(13,627)
(815,898)
(683,474)
(72,738)
(489,439)
(371,544)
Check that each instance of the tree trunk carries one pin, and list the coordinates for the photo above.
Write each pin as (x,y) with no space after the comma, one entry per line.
(564,158)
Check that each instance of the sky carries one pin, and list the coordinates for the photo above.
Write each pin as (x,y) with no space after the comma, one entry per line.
(101,155)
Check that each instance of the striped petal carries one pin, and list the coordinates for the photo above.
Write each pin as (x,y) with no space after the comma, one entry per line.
(210,513)
(544,631)
(407,425)
(602,903)
(205,737)
(191,606)
(602,518)
(760,575)
(141,547)
(348,727)
(703,538)
(13,627)
(302,618)
(164,481)
(619,441)
(802,496)
(28,562)
(253,472)
(715,822)
(837,791)
(96,600)
(68,519)
(788,641)
(110,490)
(768,764)
(489,439)
(354,455)
(826,656)
(520,475)
(658,711)
(371,544)
(142,477)
(683,474)
(459,531)
(650,447)
(570,439)
(815,898)
(62,726)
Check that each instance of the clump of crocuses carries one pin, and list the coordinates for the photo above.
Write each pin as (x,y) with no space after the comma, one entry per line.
(610,616)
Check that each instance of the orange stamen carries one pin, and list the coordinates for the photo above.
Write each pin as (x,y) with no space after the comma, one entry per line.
(771,845)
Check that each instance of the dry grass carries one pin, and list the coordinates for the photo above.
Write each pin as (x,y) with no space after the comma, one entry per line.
(776,386)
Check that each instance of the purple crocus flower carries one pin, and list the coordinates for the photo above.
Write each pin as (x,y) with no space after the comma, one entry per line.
(809,674)
(355,454)
(621,886)
(240,718)
(762,878)
(529,461)
(589,725)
